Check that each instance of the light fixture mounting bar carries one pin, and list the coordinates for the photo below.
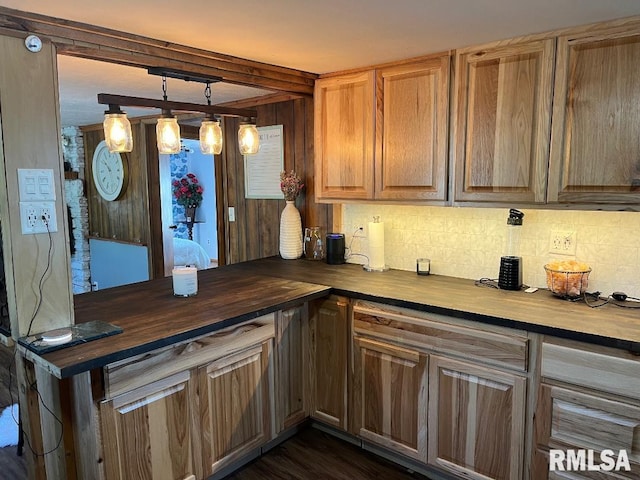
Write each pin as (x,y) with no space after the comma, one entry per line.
(179,74)
(126,101)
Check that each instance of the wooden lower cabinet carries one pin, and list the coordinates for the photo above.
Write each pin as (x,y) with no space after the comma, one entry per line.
(212,406)
(234,405)
(390,396)
(328,350)
(291,369)
(147,433)
(570,420)
(476,420)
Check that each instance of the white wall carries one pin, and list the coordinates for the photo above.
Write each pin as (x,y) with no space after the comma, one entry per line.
(468,242)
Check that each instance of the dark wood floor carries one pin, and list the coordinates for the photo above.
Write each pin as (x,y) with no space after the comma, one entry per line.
(315,455)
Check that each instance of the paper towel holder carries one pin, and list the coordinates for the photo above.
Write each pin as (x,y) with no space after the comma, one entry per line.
(379,268)
(372,269)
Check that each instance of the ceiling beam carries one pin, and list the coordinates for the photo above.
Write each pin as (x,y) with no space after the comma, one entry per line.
(103,44)
(126,101)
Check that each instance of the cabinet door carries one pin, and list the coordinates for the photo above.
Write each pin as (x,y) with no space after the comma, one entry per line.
(344,136)
(412,130)
(234,405)
(501,124)
(476,420)
(596,117)
(147,432)
(390,396)
(291,367)
(567,419)
(329,334)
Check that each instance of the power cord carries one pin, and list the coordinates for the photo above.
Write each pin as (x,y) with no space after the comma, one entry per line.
(349,254)
(487,282)
(617,299)
(32,384)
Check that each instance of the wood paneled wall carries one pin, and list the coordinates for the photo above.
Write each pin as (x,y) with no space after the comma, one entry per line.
(255,233)
(126,218)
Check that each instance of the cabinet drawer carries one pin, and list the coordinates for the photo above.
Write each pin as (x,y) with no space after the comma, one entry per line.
(142,369)
(418,329)
(609,370)
(575,420)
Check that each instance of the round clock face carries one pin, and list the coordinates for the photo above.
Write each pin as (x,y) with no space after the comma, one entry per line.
(109,172)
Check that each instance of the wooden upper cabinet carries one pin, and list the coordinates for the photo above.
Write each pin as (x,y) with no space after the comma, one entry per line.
(501,121)
(383,133)
(344,136)
(595,151)
(412,130)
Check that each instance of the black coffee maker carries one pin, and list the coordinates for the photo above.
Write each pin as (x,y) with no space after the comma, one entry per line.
(510,276)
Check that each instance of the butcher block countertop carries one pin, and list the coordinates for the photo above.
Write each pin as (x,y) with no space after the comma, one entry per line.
(151,317)
(539,312)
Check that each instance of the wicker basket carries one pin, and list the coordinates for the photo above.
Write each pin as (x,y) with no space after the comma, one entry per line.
(567,284)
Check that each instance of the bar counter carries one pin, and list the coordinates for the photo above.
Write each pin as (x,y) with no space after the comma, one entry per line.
(151,317)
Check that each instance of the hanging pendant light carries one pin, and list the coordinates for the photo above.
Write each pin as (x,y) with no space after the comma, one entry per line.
(248,139)
(117,130)
(210,137)
(167,128)
(210,131)
(168,133)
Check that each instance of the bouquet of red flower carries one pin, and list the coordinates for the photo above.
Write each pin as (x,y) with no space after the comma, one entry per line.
(187,191)
(290,185)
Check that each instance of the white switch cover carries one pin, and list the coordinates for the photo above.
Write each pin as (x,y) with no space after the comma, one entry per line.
(232,214)
(36,184)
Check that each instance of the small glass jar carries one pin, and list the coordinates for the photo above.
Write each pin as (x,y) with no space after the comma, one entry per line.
(423,266)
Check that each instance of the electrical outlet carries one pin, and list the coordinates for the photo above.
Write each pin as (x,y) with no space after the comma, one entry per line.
(360,233)
(562,243)
(38,217)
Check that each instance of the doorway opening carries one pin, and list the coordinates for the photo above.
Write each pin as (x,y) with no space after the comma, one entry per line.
(194,242)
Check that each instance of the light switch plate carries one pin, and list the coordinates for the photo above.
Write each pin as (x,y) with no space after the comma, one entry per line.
(36,185)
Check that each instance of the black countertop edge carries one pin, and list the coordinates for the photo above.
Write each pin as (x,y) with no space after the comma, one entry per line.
(632,347)
(99,362)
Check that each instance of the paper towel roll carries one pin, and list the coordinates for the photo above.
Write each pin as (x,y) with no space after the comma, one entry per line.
(376,245)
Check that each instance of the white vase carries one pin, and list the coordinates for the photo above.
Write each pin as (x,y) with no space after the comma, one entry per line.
(290,232)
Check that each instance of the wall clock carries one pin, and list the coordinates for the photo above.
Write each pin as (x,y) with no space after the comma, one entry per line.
(109,172)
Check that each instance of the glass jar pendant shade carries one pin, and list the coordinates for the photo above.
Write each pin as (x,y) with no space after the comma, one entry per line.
(210,137)
(168,134)
(248,139)
(117,132)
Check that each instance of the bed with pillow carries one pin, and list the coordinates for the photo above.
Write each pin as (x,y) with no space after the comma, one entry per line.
(188,252)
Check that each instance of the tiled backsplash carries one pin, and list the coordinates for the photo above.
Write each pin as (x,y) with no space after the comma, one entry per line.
(468,242)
